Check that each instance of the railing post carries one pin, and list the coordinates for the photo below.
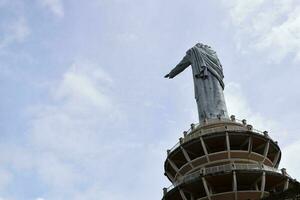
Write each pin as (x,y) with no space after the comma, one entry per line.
(192,127)
(168,152)
(244,122)
(249,127)
(232,117)
(266,134)
(181,140)
(165,191)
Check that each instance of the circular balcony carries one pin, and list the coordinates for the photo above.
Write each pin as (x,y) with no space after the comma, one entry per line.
(229,181)
(220,142)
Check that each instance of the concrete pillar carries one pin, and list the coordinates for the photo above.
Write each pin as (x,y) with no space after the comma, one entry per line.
(263,184)
(276,158)
(228,145)
(182,194)
(256,187)
(266,150)
(208,194)
(204,148)
(186,155)
(250,144)
(234,185)
(286,184)
(173,165)
(170,177)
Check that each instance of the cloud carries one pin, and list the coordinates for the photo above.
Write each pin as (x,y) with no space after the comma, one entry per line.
(80,85)
(15,32)
(268,27)
(289,159)
(237,105)
(77,118)
(6,177)
(74,135)
(78,145)
(55,6)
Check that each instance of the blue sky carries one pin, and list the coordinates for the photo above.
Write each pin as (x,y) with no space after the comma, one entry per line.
(85,111)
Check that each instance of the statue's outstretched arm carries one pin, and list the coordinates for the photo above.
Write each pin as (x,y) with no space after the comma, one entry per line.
(184,63)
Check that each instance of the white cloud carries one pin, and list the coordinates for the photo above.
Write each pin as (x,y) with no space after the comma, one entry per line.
(78,149)
(55,6)
(81,85)
(268,27)
(241,9)
(15,32)
(289,160)
(237,105)
(75,146)
(82,107)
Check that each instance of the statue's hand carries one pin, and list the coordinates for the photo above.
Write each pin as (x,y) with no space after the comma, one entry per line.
(167,76)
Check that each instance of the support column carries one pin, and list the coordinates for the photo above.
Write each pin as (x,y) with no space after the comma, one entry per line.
(186,156)
(182,194)
(234,185)
(192,197)
(266,151)
(208,194)
(250,144)
(263,184)
(228,145)
(276,158)
(204,148)
(286,184)
(256,187)
(173,165)
(170,176)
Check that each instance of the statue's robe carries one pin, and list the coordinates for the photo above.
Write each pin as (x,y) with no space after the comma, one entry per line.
(208,81)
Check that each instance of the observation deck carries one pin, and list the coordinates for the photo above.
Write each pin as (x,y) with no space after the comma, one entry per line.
(224,159)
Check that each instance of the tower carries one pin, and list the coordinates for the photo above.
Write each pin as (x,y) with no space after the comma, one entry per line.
(224,159)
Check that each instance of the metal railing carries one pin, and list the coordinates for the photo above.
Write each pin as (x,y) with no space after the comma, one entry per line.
(222,169)
(188,136)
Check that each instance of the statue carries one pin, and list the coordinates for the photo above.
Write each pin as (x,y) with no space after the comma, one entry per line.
(208,81)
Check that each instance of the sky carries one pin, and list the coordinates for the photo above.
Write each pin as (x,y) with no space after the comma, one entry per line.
(85,112)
